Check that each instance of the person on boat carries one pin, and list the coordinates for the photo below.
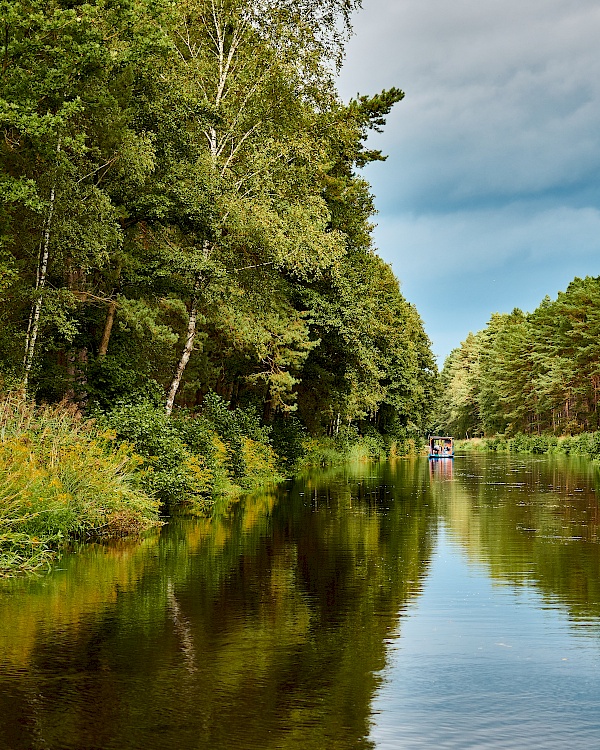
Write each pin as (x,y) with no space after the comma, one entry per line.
(446,450)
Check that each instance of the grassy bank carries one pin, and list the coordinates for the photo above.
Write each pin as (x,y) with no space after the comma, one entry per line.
(584,444)
(350,446)
(62,479)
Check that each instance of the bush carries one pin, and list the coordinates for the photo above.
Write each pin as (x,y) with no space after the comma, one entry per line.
(539,444)
(233,426)
(374,444)
(180,458)
(194,458)
(289,439)
(586,444)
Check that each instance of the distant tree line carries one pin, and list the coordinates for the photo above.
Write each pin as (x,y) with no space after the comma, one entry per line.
(528,373)
(181,213)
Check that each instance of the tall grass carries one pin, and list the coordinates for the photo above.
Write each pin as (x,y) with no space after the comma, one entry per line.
(349,446)
(584,444)
(62,478)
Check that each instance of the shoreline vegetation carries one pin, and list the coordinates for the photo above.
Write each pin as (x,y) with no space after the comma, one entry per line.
(585,444)
(187,260)
(66,478)
(62,478)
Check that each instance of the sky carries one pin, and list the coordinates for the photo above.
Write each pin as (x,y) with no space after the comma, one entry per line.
(490,196)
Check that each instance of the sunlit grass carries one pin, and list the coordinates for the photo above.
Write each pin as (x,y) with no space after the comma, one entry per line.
(584,444)
(62,478)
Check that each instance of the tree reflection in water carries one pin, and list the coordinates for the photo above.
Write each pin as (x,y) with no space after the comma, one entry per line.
(269,626)
(265,627)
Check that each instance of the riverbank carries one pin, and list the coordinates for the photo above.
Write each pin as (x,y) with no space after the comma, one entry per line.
(64,478)
(61,479)
(584,444)
(325,451)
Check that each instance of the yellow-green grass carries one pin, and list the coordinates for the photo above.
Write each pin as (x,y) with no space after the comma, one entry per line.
(62,478)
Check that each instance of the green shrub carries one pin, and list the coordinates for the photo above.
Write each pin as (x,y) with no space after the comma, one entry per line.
(586,443)
(374,445)
(539,444)
(111,380)
(232,426)
(194,458)
(180,457)
(288,437)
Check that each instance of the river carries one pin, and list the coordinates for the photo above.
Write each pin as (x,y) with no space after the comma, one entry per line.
(377,606)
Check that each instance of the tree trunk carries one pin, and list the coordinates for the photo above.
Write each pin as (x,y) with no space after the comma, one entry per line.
(110,319)
(188,347)
(40,283)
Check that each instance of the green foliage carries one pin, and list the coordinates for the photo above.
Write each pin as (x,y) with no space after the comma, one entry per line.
(61,479)
(531,373)
(584,444)
(192,460)
(181,214)
(239,429)
(350,445)
(111,380)
(288,436)
(374,363)
(168,473)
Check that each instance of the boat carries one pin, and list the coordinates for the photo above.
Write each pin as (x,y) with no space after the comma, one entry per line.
(441,446)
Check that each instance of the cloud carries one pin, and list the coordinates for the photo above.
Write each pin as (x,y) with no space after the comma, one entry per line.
(490,197)
(501,98)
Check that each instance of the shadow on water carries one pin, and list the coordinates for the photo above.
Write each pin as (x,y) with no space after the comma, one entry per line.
(264,628)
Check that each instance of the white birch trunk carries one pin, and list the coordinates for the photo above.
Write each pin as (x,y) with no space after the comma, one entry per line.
(42,270)
(225,55)
(188,346)
(108,325)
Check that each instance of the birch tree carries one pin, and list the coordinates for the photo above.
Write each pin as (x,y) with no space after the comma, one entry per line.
(65,136)
(259,73)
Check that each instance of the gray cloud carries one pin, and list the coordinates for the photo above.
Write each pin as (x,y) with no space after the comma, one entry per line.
(490,197)
(501,98)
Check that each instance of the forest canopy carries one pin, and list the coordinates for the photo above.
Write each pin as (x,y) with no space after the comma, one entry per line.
(532,373)
(181,212)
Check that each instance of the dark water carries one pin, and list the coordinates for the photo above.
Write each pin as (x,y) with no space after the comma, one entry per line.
(380,606)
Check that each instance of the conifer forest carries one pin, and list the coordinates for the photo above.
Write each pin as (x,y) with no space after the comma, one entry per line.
(532,373)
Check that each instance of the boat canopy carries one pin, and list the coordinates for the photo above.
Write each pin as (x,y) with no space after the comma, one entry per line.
(440,445)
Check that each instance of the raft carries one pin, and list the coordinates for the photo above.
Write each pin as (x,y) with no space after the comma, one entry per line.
(441,447)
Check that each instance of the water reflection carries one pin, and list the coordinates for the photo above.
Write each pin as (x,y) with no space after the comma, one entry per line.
(362,607)
(532,521)
(440,469)
(265,628)
(501,649)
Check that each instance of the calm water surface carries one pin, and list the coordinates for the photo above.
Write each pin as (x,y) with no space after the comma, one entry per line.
(404,605)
